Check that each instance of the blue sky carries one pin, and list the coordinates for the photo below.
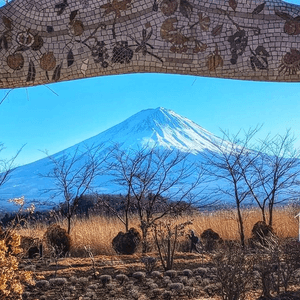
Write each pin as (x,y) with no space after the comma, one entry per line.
(83,108)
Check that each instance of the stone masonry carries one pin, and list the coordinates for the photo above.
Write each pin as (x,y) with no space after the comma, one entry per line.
(45,41)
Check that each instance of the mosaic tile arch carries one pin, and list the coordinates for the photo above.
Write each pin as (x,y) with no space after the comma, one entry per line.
(45,41)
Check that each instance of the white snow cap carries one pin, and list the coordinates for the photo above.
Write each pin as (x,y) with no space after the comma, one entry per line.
(161,127)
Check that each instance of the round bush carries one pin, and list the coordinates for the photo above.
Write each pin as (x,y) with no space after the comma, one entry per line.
(210,239)
(171,273)
(261,232)
(187,272)
(58,238)
(126,243)
(105,279)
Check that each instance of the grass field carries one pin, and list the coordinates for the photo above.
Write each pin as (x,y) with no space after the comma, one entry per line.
(98,231)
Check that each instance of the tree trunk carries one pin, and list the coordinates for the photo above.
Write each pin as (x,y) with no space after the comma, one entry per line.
(169,258)
(271,213)
(241,225)
(69,223)
(145,246)
(69,217)
(263,214)
(126,220)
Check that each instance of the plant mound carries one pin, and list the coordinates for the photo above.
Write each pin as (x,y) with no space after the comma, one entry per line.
(262,233)
(210,239)
(31,246)
(12,279)
(58,239)
(126,243)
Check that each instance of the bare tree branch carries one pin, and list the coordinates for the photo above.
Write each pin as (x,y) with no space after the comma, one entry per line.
(73,175)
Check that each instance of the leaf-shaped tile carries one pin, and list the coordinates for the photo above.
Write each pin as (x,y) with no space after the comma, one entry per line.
(7,22)
(259,9)
(233,4)
(70,58)
(31,72)
(217,30)
(73,15)
(185,8)
(56,73)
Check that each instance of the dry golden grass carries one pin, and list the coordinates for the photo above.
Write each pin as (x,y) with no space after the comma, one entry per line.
(98,231)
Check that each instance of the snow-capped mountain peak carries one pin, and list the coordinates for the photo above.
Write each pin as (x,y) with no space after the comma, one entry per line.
(158,127)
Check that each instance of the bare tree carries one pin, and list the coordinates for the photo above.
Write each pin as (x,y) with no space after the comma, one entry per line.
(7,165)
(225,167)
(157,183)
(273,174)
(73,175)
(265,171)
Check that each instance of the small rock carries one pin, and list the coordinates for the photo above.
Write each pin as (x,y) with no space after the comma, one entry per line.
(71,288)
(110,286)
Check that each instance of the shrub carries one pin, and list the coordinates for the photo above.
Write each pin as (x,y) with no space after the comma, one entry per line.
(261,232)
(11,278)
(187,272)
(58,281)
(171,273)
(210,239)
(234,273)
(176,286)
(139,275)
(105,279)
(122,278)
(126,243)
(31,246)
(58,238)
(166,234)
(156,274)
(149,262)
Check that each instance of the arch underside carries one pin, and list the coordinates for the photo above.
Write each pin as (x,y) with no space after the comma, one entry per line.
(45,41)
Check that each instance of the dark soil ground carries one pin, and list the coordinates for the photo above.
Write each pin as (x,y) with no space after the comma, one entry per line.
(193,277)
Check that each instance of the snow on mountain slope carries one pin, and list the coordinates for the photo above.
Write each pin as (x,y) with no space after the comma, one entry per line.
(160,127)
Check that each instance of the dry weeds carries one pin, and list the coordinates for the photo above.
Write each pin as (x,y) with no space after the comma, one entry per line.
(98,231)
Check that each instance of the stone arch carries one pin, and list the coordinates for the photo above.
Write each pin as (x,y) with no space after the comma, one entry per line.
(44,41)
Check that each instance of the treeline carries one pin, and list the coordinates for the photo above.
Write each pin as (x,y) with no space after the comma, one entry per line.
(87,206)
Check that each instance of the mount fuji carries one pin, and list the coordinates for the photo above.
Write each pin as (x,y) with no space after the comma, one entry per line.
(158,127)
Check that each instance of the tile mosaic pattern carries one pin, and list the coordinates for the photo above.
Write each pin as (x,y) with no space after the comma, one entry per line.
(44,41)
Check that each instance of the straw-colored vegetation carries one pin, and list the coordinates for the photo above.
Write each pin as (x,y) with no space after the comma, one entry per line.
(98,231)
